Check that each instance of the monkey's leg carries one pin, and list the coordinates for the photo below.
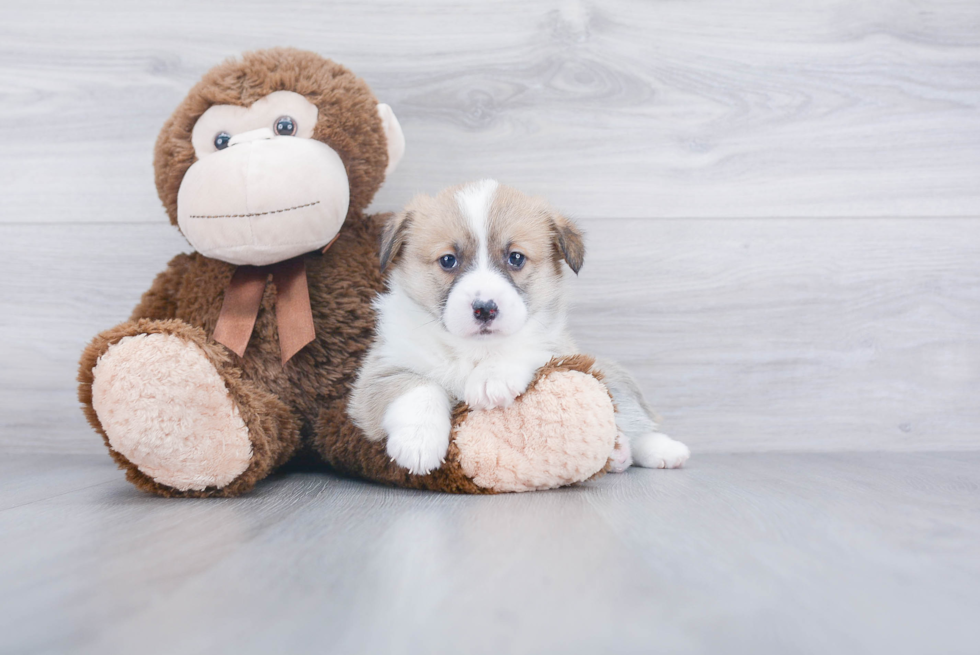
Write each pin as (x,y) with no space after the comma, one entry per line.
(176,414)
(560,431)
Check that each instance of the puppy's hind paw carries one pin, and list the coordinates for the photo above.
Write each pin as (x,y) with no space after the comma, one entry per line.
(622,455)
(658,451)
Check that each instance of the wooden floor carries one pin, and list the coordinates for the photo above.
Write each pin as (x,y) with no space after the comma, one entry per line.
(746,553)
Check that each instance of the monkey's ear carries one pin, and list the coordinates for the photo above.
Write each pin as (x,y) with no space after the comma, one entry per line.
(394,137)
(393,236)
(569,241)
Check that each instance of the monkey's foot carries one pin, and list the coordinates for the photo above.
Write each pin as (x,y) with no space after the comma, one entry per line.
(165,408)
(562,430)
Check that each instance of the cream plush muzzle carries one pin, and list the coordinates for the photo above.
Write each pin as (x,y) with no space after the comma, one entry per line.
(263,199)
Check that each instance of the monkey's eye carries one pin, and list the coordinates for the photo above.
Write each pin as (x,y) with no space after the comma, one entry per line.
(285,126)
(516,260)
(221,141)
(448,262)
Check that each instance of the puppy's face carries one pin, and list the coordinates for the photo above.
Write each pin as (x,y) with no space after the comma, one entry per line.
(481,257)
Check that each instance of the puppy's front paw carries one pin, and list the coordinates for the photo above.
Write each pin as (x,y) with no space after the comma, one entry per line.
(419,448)
(418,426)
(496,385)
(658,451)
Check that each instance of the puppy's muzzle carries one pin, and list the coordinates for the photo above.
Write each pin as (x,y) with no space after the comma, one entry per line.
(484,311)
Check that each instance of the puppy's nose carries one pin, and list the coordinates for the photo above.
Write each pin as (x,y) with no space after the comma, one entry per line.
(484,310)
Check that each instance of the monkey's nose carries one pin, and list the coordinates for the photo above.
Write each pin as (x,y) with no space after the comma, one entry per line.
(484,310)
(251,135)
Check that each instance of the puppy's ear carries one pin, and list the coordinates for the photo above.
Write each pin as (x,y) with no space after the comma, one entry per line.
(393,236)
(569,241)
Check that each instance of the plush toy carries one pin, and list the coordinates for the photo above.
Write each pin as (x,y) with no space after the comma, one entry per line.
(242,354)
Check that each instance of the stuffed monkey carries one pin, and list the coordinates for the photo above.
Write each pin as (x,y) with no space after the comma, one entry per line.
(242,354)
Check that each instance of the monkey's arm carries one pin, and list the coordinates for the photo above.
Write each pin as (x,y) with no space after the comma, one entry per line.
(159,302)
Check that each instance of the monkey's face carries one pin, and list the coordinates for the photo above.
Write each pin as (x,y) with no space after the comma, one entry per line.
(263,189)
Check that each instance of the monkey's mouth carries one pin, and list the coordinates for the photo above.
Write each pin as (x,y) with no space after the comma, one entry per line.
(253,214)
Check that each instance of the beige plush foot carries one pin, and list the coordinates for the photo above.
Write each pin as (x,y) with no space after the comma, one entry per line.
(164,407)
(561,431)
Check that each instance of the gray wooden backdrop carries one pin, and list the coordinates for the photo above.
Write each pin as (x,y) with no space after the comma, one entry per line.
(781,197)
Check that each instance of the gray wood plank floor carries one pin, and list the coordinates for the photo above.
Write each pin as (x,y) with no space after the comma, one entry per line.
(750,553)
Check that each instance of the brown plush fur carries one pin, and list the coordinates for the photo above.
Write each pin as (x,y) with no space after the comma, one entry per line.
(272,427)
(280,403)
(185,300)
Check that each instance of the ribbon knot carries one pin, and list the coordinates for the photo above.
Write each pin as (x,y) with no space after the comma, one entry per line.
(243,298)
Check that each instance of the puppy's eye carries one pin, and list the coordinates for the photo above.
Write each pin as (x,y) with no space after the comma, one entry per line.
(448,262)
(516,260)
(285,126)
(221,140)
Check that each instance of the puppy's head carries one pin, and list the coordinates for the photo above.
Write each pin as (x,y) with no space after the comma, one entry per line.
(482,257)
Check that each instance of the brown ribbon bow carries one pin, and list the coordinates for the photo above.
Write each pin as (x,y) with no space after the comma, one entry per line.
(243,297)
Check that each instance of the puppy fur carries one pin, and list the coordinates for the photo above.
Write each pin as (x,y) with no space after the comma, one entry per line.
(475,304)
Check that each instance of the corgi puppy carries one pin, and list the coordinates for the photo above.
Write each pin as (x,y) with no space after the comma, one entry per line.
(475,305)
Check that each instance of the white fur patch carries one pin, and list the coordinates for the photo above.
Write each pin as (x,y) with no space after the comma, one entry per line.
(165,408)
(418,424)
(475,201)
(655,450)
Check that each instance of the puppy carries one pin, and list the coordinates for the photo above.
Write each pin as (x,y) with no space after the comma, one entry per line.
(475,305)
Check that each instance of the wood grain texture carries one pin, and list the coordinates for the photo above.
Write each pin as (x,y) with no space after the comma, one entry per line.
(754,554)
(621,108)
(800,335)
(746,335)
